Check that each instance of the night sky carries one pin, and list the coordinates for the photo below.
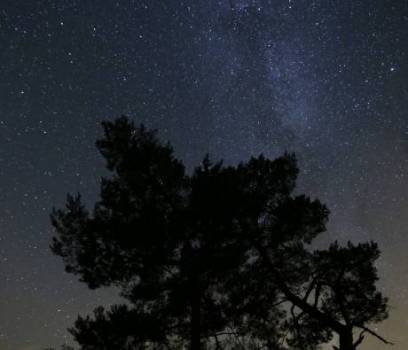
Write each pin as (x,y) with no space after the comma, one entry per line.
(325,79)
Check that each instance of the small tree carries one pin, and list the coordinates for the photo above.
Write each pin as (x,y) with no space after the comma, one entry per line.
(216,258)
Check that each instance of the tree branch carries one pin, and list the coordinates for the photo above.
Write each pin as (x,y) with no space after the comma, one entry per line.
(296,300)
(376,335)
(317,295)
(359,340)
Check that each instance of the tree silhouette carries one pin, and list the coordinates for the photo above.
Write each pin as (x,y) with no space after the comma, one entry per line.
(220,258)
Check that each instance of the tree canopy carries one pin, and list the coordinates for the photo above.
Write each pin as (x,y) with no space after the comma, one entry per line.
(219,258)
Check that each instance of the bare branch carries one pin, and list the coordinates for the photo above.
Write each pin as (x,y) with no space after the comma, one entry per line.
(317,295)
(368,330)
(359,340)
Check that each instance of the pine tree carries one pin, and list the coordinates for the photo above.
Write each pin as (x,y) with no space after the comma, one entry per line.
(219,258)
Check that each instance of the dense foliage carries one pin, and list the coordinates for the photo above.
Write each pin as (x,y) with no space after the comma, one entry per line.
(219,258)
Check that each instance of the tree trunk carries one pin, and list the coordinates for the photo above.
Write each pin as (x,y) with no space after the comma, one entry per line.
(346,340)
(195,336)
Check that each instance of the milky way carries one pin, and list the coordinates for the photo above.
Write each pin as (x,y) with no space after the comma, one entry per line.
(325,79)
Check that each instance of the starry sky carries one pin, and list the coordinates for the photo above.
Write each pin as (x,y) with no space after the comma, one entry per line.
(325,79)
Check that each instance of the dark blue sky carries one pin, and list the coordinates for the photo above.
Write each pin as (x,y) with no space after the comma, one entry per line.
(326,79)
